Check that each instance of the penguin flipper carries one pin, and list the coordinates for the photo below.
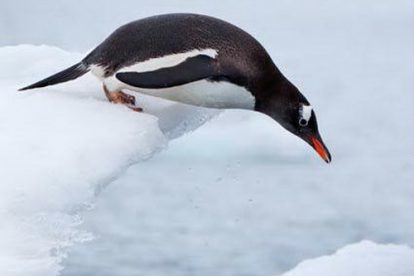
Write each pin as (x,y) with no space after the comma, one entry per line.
(192,69)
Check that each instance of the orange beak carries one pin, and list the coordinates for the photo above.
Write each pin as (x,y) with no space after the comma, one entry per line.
(320,148)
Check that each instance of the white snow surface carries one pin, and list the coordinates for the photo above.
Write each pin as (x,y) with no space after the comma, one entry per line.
(362,259)
(59,146)
(240,196)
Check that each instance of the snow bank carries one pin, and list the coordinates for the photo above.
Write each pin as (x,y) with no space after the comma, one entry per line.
(362,259)
(59,146)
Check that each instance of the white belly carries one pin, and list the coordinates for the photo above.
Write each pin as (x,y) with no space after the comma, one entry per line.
(205,93)
(199,93)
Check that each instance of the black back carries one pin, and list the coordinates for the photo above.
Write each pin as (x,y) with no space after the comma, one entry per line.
(242,59)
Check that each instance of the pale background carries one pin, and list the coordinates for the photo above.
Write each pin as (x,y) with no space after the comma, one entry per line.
(231,198)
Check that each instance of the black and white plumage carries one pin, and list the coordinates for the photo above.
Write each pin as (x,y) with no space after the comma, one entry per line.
(197,60)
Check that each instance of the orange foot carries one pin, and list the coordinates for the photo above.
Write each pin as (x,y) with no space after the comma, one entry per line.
(120,97)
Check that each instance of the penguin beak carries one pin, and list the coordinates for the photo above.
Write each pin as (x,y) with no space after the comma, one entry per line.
(316,142)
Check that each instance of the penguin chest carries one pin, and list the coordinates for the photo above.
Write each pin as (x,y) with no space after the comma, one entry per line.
(206,94)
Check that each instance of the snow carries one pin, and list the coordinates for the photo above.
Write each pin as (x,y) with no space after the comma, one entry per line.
(59,146)
(364,258)
(239,196)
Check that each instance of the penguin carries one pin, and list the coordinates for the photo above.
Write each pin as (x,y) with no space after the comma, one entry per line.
(197,60)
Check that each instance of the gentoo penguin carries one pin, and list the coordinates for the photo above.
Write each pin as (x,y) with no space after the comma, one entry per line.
(197,60)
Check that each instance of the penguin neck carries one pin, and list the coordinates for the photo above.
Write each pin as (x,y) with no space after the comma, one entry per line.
(271,91)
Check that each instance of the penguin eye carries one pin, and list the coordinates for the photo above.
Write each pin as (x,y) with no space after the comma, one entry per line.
(303,122)
(305,113)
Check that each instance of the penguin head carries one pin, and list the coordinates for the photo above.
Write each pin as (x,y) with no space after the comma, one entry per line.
(292,110)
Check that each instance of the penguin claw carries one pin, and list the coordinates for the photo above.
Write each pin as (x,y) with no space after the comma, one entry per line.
(129,101)
(124,98)
(120,97)
(136,109)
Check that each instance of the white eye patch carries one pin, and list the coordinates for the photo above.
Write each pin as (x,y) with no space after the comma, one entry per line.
(305,113)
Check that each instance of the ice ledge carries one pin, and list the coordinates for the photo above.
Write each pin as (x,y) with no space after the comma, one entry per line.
(58,146)
(362,259)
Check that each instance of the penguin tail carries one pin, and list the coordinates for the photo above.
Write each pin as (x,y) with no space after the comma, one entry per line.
(68,74)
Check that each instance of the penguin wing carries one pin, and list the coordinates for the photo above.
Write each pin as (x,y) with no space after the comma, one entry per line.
(190,70)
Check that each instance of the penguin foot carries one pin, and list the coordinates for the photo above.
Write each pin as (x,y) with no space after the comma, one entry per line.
(120,97)
(135,108)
